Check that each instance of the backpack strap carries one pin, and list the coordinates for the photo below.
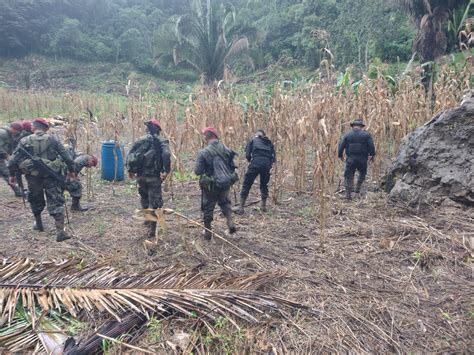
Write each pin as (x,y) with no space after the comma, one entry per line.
(215,152)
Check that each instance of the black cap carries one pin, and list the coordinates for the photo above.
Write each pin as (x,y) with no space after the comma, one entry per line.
(357,122)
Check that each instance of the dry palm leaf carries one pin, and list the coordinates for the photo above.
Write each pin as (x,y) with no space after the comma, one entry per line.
(68,285)
(34,329)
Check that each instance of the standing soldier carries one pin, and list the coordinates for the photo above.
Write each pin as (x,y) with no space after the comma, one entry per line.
(358,145)
(260,153)
(74,186)
(41,157)
(8,136)
(27,130)
(216,169)
(149,161)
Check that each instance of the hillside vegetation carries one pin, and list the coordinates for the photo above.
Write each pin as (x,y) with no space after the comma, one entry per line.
(183,40)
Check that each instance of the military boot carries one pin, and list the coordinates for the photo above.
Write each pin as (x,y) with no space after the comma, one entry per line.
(151,230)
(242,205)
(207,231)
(349,184)
(264,204)
(230,223)
(358,185)
(38,225)
(76,205)
(61,234)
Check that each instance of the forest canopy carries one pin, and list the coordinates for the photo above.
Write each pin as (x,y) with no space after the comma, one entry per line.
(208,36)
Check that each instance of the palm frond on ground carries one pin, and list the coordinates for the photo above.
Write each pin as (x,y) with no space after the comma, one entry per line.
(59,286)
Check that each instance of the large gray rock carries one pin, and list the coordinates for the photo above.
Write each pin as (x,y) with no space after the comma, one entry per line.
(435,163)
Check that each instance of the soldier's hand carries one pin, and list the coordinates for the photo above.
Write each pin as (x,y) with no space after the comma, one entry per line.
(72,176)
(132,175)
(12,180)
(163,176)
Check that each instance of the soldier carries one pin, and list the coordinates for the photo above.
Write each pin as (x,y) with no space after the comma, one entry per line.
(27,130)
(216,169)
(47,148)
(358,146)
(8,136)
(74,187)
(149,161)
(260,153)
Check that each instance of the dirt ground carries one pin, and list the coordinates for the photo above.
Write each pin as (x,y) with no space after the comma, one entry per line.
(386,278)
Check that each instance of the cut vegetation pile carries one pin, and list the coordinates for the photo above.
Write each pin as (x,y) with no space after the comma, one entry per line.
(36,298)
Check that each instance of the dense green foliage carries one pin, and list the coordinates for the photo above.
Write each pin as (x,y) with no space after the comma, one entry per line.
(146,32)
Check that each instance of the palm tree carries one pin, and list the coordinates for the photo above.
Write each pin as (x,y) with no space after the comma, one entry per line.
(430,16)
(207,39)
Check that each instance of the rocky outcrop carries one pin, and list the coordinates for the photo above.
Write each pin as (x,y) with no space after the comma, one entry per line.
(435,163)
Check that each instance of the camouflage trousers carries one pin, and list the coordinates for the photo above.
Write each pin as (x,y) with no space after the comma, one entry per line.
(209,201)
(149,189)
(4,173)
(39,187)
(74,188)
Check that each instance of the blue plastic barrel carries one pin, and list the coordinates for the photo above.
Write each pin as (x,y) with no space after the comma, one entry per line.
(112,161)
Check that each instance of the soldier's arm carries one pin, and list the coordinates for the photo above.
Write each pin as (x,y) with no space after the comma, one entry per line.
(342,147)
(14,162)
(165,155)
(232,155)
(371,146)
(248,151)
(81,162)
(65,156)
(200,164)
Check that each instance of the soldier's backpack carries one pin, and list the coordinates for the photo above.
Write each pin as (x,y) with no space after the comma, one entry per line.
(144,158)
(40,148)
(223,176)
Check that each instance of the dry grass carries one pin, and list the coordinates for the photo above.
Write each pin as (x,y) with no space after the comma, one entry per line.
(386,281)
(305,124)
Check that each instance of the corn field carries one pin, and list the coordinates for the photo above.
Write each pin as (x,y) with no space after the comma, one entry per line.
(305,124)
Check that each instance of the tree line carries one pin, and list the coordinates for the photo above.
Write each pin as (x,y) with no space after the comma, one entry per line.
(213,37)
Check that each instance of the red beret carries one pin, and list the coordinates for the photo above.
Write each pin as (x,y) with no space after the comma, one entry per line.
(211,130)
(17,126)
(26,125)
(42,121)
(93,161)
(155,122)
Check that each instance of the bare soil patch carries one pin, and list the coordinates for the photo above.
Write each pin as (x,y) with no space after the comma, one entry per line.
(387,279)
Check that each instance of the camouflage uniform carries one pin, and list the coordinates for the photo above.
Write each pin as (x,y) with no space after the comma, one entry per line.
(18,175)
(212,195)
(52,152)
(22,135)
(149,157)
(7,144)
(74,187)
